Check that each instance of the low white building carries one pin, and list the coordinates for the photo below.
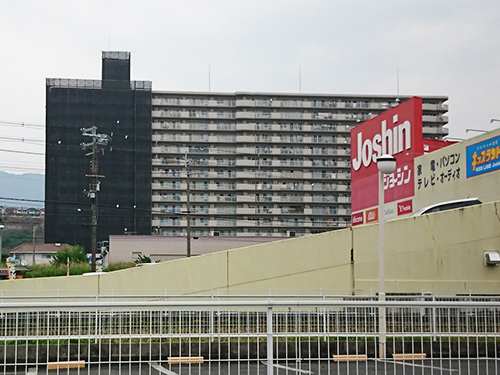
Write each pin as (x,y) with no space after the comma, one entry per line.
(43,252)
(127,248)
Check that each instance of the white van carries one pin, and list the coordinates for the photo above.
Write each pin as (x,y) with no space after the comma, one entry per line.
(449,205)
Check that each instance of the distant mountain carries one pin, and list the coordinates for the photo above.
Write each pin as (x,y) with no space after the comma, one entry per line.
(18,190)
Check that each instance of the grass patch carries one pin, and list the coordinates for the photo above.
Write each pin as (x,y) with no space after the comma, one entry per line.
(119,266)
(47,270)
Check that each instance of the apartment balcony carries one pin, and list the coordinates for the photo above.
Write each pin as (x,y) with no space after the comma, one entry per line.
(434,107)
(246,163)
(343,128)
(160,174)
(290,198)
(246,127)
(158,150)
(246,150)
(156,198)
(159,126)
(169,114)
(343,164)
(292,174)
(157,186)
(434,118)
(245,138)
(246,115)
(157,162)
(245,211)
(434,130)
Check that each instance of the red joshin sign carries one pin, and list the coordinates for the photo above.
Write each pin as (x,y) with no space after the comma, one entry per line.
(397,132)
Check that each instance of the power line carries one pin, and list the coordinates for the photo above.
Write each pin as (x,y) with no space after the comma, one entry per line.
(22,125)
(149,212)
(22,152)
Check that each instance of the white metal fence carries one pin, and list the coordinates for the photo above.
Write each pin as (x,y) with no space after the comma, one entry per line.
(249,335)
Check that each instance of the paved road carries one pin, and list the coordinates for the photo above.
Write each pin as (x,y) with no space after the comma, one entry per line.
(455,367)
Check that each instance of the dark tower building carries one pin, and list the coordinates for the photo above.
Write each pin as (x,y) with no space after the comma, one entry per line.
(121,109)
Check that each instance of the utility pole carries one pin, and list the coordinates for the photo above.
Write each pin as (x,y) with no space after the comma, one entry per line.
(34,236)
(99,142)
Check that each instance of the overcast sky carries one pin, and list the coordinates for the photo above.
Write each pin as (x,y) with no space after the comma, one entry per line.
(439,47)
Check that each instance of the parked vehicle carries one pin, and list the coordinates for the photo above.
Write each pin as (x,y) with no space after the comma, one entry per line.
(449,205)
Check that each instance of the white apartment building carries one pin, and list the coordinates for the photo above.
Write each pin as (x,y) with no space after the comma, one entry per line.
(260,164)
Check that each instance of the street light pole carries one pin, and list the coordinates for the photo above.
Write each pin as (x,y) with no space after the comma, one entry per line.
(386,164)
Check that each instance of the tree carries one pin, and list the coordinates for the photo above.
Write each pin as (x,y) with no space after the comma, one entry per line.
(13,238)
(76,254)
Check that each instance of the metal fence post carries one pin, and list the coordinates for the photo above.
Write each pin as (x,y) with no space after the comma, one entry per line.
(269,340)
(434,319)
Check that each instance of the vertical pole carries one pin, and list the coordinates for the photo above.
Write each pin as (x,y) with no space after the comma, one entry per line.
(381,268)
(188,209)
(34,234)
(1,230)
(93,207)
(269,321)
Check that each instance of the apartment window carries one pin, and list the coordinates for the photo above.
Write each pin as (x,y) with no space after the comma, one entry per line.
(332,210)
(202,221)
(226,126)
(317,222)
(201,209)
(226,138)
(200,173)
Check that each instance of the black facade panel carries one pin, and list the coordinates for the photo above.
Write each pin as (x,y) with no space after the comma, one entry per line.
(124,199)
(116,66)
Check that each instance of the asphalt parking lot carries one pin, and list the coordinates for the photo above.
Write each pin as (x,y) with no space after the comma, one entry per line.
(372,366)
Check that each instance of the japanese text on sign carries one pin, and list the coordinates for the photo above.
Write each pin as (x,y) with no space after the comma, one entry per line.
(483,157)
(401,176)
(443,170)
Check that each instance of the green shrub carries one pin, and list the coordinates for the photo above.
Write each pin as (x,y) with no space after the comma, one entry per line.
(75,254)
(119,266)
(47,270)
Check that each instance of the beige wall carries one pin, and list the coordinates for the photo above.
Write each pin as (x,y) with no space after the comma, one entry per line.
(440,253)
(453,158)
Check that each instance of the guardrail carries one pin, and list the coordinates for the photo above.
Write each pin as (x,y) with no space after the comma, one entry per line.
(245,334)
